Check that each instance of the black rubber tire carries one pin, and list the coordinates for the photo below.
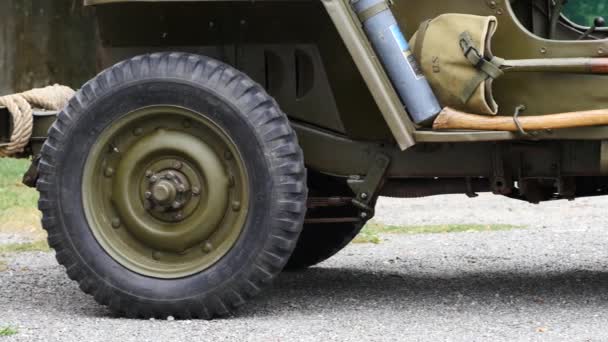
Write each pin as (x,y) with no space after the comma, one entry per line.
(271,155)
(320,242)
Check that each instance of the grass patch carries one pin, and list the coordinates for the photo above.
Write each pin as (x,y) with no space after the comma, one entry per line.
(13,193)
(371,232)
(8,331)
(37,246)
(18,210)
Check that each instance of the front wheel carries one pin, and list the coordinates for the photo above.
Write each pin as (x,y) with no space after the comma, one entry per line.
(172,184)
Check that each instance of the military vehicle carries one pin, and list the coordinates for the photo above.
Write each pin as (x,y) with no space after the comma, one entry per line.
(225,141)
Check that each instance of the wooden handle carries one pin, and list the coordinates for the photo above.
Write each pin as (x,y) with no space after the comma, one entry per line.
(453,119)
(599,65)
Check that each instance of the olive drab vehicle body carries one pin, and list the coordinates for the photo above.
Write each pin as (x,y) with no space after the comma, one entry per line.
(315,60)
(226,140)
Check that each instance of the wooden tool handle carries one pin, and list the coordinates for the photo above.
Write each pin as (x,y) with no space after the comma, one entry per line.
(453,119)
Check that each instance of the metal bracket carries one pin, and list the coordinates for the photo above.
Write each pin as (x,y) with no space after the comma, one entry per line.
(501,183)
(366,190)
(30,178)
(518,110)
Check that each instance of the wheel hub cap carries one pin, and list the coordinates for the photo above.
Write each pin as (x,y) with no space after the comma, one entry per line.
(175,200)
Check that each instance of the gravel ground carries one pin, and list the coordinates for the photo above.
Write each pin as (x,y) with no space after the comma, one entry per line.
(546,282)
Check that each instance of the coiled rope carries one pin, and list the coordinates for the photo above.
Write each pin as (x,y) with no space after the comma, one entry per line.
(21,106)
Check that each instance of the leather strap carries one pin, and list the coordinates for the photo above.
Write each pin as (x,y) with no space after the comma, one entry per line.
(420,39)
(372,11)
(488,69)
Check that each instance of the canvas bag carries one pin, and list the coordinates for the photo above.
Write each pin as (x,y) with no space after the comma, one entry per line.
(454,51)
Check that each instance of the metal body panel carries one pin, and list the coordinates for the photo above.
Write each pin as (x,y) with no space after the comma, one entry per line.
(264,40)
(541,92)
(361,53)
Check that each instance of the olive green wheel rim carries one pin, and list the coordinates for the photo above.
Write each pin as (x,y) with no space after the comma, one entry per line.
(165,192)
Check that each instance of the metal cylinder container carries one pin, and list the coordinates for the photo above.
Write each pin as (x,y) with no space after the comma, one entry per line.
(394,52)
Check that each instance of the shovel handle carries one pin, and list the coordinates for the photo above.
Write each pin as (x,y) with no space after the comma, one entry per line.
(567,65)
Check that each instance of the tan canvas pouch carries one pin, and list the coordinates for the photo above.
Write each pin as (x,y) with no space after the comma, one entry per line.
(454,51)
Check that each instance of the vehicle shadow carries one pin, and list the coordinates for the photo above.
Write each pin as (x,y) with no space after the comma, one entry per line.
(327,289)
(318,289)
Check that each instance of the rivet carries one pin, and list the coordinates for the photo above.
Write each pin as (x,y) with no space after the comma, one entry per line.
(236,206)
(156,256)
(148,194)
(543,50)
(207,247)
(196,191)
(600,51)
(116,223)
(364,195)
(363,215)
(109,172)
(138,131)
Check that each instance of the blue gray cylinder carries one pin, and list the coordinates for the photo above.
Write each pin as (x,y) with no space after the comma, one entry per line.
(394,52)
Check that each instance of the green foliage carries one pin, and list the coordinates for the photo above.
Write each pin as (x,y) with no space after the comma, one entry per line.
(371,232)
(8,331)
(583,12)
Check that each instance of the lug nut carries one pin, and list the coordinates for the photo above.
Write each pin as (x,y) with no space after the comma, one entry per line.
(181,188)
(153,179)
(109,172)
(207,247)
(176,205)
(196,191)
(156,256)
(149,173)
(179,216)
(363,215)
(364,196)
(170,175)
(177,165)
